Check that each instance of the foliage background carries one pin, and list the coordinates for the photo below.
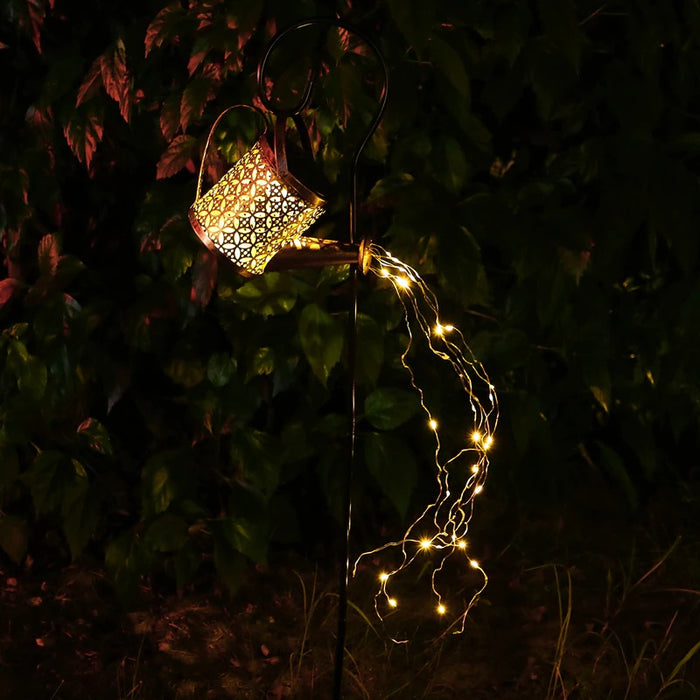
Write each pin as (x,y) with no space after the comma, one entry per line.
(537,164)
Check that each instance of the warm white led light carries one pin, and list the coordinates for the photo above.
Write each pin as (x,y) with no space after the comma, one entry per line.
(440,529)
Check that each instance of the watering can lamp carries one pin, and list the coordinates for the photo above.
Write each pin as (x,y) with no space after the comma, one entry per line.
(257,214)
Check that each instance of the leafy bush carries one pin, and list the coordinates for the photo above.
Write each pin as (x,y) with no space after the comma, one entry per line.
(537,164)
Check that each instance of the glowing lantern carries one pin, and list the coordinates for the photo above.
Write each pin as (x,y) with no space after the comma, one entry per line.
(259,210)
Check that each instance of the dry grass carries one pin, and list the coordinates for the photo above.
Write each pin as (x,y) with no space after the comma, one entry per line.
(617,619)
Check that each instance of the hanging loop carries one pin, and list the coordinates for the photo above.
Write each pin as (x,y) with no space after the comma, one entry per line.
(303,103)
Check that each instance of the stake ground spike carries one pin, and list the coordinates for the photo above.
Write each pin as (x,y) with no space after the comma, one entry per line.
(294,112)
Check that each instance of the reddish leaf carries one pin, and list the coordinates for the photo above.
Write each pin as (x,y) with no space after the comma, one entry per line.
(91,83)
(40,119)
(203,277)
(7,289)
(176,156)
(10,246)
(170,117)
(194,98)
(233,60)
(115,78)
(213,72)
(37,13)
(205,19)
(47,255)
(83,134)
(165,25)
(199,53)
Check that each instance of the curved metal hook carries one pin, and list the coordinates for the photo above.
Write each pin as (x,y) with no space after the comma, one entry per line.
(306,96)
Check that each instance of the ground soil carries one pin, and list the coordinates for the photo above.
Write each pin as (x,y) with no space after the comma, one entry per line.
(583,602)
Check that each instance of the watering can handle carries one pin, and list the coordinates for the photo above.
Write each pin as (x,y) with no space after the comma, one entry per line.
(279,140)
(211,133)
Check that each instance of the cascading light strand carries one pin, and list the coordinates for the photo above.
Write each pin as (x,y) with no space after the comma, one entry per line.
(440,531)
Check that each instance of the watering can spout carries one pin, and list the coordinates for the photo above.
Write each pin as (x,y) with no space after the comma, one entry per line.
(307,252)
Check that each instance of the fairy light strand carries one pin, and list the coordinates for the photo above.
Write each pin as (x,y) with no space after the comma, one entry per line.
(440,531)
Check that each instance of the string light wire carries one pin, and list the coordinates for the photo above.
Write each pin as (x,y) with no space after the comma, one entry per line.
(440,531)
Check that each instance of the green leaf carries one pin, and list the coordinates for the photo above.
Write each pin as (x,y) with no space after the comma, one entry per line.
(386,189)
(220,369)
(80,513)
(322,339)
(269,294)
(296,442)
(160,482)
(597,376)
(561,26)
(9,465)
(30,371)
(168,533)
(95,435)
(613,464)
(246,537)
(414,19)
(185,371)
(230,563)
(370,350)
(460,268)
(387,408)
(127,560)
(448,63)
(14,537)
(332,276)
(393,466)
(48,477)
(258,457)
(262,362)
(452,165)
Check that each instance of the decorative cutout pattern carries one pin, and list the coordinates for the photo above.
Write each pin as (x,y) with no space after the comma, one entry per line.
(252,213)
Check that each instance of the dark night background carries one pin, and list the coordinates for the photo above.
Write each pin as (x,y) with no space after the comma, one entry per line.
(173,435)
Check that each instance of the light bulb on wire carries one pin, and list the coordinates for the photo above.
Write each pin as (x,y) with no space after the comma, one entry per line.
(439,533)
